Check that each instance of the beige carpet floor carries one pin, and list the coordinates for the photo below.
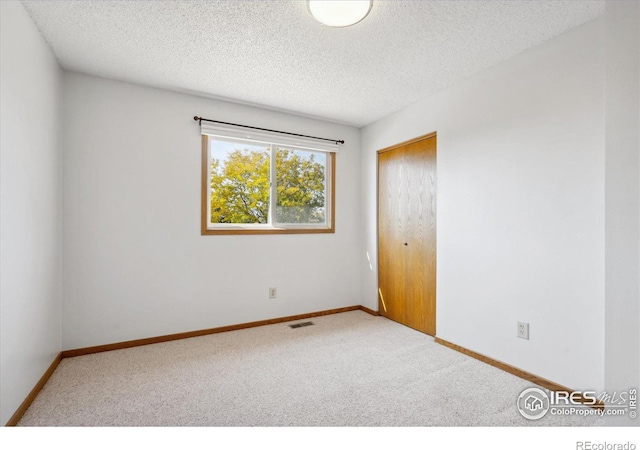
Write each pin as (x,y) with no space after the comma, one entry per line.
(349,369)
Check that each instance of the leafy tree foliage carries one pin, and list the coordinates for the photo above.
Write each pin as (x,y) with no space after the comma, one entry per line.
(240,187)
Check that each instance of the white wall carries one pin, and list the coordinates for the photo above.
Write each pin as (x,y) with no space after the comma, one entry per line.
(30,202)
(520,207)
(622,179)
(135,263)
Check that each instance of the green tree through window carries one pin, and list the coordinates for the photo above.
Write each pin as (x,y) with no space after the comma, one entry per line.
(240,184)
(300,186)
(240,187)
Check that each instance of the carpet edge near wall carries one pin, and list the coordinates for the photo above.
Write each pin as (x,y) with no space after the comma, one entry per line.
(15,418)
(207,331)
(13,421)
(523,374)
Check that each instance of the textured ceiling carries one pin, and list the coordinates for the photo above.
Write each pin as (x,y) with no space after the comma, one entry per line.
(274,54)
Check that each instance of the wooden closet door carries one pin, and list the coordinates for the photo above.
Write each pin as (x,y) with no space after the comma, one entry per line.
(407,234)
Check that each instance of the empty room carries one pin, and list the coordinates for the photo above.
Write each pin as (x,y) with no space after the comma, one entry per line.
(329,214)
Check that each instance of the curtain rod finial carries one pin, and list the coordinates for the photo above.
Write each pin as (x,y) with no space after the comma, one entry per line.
(196,118)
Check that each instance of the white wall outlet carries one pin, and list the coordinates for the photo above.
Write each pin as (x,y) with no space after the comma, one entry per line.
(273,292)
(523,330)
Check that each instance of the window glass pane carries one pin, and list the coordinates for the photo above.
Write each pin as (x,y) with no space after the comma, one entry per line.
(301,186)
(239,176)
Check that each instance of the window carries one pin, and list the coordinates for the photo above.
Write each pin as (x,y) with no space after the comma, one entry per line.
(257,187)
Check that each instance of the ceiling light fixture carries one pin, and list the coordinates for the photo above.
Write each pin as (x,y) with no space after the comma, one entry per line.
(339,13)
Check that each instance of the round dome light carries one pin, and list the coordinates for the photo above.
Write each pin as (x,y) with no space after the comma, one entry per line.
(339,13)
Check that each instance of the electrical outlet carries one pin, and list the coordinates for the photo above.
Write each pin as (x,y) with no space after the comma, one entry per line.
(523,330)
(273,292)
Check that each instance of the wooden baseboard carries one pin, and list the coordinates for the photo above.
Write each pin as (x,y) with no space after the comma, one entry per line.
(34,392)
(190,334)
(535,379)
(369,311)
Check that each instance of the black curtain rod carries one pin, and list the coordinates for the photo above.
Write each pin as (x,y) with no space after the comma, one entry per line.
(200,119)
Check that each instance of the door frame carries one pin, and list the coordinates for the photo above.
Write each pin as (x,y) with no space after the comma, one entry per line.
(381,306)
